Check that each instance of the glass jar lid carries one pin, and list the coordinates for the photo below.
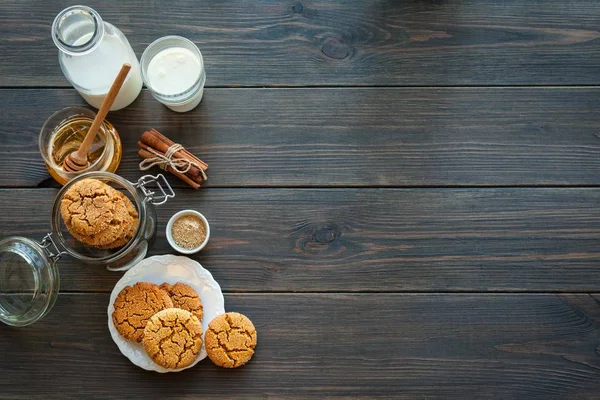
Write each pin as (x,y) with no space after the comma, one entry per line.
(29,279)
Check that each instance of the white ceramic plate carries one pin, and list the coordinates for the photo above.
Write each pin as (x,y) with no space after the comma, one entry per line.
(170,269)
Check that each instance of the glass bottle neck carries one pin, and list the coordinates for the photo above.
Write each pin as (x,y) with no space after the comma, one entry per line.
(77,30)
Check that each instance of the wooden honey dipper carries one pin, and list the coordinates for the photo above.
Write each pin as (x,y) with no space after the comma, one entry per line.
(78,160)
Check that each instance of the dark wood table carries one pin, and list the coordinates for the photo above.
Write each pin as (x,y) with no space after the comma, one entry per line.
(403,195)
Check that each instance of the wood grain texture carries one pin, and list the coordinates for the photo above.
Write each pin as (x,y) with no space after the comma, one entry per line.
(368,239)
(316,346)
(325,42)
(345,137)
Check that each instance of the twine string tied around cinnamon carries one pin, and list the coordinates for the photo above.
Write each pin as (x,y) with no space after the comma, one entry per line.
(167,159)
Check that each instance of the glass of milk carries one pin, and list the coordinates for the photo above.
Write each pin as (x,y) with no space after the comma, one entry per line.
(173,70)
(91,54)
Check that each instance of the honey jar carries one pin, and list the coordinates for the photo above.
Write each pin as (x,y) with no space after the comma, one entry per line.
(62,134)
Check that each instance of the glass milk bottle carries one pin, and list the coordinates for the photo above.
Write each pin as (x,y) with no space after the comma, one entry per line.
(91,54)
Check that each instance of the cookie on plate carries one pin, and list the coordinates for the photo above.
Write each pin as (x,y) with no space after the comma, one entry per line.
(135,305)
(183,296)
(173,338)
(230,340)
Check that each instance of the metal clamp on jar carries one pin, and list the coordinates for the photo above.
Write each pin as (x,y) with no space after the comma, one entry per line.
(29,278)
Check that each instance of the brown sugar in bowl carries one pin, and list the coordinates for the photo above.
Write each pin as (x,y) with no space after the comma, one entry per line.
(188,231)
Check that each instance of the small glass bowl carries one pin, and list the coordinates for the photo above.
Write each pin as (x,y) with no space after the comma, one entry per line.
(109,160)
(172,242)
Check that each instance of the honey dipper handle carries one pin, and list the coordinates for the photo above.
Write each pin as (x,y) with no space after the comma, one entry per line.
(103,111)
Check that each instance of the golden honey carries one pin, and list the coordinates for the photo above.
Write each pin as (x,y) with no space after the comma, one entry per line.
(63,133)
(68,137)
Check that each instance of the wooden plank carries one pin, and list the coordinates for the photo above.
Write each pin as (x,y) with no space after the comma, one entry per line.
(316,346)
(368,239)
(346,137)
(327,42)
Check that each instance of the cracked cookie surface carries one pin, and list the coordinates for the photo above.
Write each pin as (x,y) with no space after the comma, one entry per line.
(132,222)
(135,305)
(88,207)
(98,215)
(173,338)
(230,340)
(184,297)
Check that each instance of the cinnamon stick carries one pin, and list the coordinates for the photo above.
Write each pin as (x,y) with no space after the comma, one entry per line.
(156,140)
(156,144)
(169,143)
(146,154)
(194,173)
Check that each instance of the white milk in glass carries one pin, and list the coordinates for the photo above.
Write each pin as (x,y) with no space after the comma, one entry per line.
(173,71)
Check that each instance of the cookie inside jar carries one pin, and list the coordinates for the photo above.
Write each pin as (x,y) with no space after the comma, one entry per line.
(99,217)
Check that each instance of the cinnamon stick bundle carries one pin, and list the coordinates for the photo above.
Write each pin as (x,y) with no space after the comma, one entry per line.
(154,146)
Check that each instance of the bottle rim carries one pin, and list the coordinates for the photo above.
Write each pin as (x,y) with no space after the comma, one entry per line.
(83,48)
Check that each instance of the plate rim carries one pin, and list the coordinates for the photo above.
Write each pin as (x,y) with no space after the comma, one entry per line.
(126,279)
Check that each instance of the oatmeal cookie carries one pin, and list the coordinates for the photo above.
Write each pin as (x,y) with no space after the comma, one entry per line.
(116,230)
(130,225)
(184,297)
(95,213)
(135,305)
(230,340)
(87,207)
(173,338)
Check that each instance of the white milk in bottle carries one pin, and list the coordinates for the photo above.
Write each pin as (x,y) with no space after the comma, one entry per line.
(91,54)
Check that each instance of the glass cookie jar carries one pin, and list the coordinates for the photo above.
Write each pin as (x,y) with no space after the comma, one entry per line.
(29,277)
